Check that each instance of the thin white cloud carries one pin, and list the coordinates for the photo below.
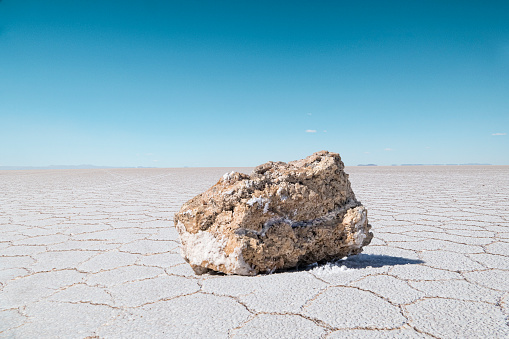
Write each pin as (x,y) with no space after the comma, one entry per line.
(427,147)
(310,113)
(311,131)
(324,131)
(388,149)
(499,133)
(366,153)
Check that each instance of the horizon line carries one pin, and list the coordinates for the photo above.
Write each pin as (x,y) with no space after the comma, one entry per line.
(86,166)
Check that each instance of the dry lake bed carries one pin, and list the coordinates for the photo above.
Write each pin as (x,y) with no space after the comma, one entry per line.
(93,253)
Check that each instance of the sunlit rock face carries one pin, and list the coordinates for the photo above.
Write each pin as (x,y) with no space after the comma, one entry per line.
(281,216)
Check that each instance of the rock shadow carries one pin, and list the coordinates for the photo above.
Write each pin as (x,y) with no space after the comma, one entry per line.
(353,262)
(360,261)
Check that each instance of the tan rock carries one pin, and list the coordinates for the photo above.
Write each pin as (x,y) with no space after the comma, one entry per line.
(281,216)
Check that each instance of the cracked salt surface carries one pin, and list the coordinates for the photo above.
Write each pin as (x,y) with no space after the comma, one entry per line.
(93,253)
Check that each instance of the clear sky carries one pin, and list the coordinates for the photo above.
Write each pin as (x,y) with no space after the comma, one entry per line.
(239,83)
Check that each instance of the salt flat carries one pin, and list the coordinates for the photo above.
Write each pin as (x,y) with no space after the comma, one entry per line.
(93,253)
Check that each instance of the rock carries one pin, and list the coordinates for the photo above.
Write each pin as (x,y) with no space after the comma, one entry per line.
(281,216)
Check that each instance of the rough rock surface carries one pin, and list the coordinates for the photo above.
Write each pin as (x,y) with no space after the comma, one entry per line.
(281,216)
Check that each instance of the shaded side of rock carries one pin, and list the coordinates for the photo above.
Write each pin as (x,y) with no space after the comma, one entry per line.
(281,216)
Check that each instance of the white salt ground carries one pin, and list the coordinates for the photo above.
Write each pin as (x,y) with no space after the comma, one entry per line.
(93,253)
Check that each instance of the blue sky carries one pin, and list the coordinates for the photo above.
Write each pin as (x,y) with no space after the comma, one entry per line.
(238,83)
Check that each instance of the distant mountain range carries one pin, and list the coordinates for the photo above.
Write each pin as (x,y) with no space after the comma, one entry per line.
(60,167)
(469,164)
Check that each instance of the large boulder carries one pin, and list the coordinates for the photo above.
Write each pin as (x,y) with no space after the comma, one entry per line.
(281,216)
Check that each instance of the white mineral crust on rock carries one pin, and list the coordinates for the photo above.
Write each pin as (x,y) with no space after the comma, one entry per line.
(281,216)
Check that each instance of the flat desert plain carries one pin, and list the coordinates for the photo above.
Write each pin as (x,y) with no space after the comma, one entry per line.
(94,253)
